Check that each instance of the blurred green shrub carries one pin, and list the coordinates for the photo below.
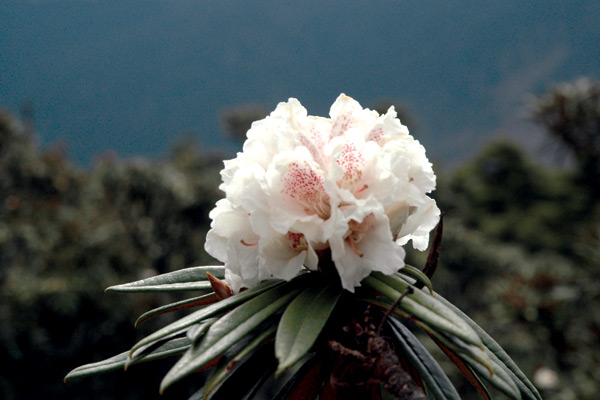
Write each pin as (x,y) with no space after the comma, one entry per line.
(65,235)
(506,196)
(521,255)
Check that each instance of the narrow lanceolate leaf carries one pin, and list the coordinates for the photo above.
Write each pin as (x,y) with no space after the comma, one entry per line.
(480,364)
(399,283)
(426,366)
(497,353)
(418,275)
(279,387)
(228,365)
(465,370)
(180,305)
(303,321)
(140,354)
(207,312)
(229,329)
(193,278)
(247,377)
(423,307)
(308,382)
(525,391)
(500,379)
(175,346)
(468,334)
(475,353)
(195,332)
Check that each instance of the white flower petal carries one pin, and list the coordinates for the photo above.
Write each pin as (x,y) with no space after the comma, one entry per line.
(303,184)
(376,251)
(280,260)
(419,224)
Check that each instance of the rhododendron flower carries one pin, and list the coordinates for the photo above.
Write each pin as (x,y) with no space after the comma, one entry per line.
(351,188)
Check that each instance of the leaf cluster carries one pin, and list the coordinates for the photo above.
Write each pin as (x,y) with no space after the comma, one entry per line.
(288,318)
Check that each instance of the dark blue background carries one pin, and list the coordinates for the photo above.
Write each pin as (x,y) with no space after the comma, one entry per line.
(132,75)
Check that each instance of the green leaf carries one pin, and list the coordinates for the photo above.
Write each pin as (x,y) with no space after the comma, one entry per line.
(523,388)
(500,379)
(417,275)
(459,347)
(308,382)
(497,353)
(172,347)
(247,377)
(207,312)
(193,278)
(225,332)
(480,363)
(180,305)
(302,322)
(428,369)
(228,365)
(423,307)
(140,354)
(279,387)
(195,332)
(465,369)
(433,304)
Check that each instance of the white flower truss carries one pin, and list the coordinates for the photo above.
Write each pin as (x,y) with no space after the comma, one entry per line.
(352,188)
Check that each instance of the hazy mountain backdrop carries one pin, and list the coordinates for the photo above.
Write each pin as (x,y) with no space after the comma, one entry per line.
(132,75)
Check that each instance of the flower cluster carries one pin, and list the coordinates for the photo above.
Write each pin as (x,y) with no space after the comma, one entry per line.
(352,188)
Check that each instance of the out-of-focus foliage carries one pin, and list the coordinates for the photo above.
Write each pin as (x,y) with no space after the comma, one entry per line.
(65,235)
(506,196)
(521,256)
(543,308)
(571,115)
(521,249)
(237,120)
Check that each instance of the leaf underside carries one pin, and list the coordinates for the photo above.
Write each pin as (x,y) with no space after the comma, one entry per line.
(180,305)
(193,278)
(173,347)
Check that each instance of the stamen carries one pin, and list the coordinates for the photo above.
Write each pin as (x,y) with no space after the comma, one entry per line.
(248,244)
(365,187)
(351,240)
(297,241)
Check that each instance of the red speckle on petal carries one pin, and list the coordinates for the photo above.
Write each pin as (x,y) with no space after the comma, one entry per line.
(376,134)
(351,160)
(313,141)
(305,185)
(352,163)
(297,241)
(341,125)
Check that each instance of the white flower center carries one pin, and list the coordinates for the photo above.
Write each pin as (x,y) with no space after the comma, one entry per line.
(356,231)
(297,242)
